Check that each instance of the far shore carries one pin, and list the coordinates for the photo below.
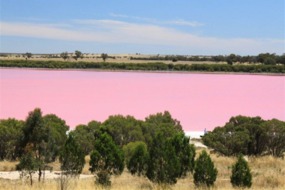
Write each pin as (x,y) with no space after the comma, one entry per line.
(145,71)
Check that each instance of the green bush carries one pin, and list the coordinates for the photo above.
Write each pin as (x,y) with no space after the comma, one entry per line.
(248,136)
(241,175)
(106,159)
(72,157)
(138,162)
(205,172)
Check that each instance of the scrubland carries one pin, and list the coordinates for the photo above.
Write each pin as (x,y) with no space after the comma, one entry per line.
(268,173)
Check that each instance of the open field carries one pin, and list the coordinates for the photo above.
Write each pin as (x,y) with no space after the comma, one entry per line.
(268,173)
(119,59)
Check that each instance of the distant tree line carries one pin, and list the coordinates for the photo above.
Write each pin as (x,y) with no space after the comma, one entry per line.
(264,58)
(252,68)
(156,147)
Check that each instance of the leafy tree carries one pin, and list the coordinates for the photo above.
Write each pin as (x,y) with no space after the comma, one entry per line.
(160,123)
(84,135)
(138,161)
(57,129)
(241,135)
(281,59)
(231,59)
(72,158)
(241,175)
(205,172)
(72,162)
(104,56)
(28,55)
(185,152)
(35,138)
(64,55)
(124,129)
(10,133)
(106,159)
(28,165)
(78,54)
(263,56)
(164,166)
(269,61)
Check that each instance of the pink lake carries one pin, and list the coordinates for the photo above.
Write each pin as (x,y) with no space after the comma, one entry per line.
(199,101)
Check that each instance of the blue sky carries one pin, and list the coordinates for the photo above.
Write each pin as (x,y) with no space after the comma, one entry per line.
(192,27)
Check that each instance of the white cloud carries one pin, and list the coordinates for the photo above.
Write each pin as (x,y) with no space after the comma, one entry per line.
(113,31)
(185,23)
(180,22)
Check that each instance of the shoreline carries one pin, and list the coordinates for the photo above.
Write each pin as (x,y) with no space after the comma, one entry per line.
(145,71)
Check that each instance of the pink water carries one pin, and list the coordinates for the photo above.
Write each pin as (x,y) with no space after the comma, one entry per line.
(199,101)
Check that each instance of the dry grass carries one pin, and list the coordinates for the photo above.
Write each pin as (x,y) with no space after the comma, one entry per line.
(268,173)
(118,60)
(8,166)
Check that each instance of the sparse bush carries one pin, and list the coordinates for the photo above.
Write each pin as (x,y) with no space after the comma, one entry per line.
(28,165)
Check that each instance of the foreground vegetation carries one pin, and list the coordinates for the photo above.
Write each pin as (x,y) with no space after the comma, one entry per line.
(158,66)
(155,149)
(268,173)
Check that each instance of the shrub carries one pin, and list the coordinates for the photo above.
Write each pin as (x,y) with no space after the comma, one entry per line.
(241,176)
(72,158)
(164,166)
(137,164)
(106,159)
(205,172)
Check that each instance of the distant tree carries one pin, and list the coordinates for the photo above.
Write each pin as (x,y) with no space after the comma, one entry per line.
(104,56)
(267,58)
(64,55)
(241,175)
(78,54)
(28,55)
(205,172)
(218,58)
(269,61)
(138,162)
(281,59)
(106,159)
(174,59)
(231,59)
